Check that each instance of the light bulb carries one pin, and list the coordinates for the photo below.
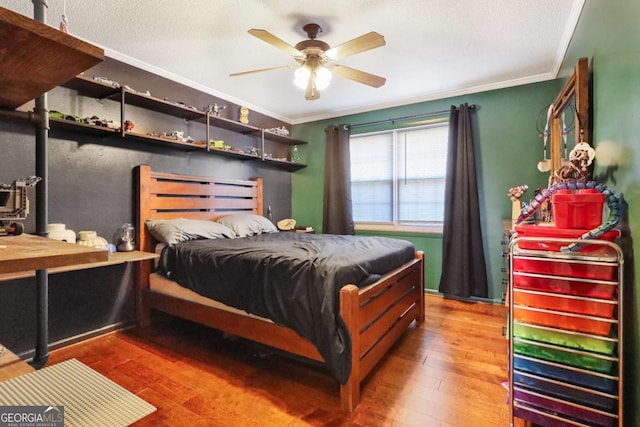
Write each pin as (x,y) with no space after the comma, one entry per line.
(323,77)
(302,76)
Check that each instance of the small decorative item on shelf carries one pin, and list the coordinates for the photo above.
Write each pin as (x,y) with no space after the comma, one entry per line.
(92,240)
(244,115)
(58,115)
(128,125)
(107,81)
(216,109)
(181,104)
(96,121)
(137,92)
(295,155)
(279,131)
(64,22)
(124,238)
(515,193)
(218,144)
(59,232)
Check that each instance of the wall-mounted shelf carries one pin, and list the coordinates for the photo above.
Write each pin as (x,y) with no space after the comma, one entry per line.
(27,252)
(96,89)
(174,143)
(36,58)
(109,259)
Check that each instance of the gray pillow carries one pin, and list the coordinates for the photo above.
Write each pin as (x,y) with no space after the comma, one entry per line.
(248,224)
(173,231)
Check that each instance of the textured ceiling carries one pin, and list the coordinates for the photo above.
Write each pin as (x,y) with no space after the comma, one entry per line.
(434,48)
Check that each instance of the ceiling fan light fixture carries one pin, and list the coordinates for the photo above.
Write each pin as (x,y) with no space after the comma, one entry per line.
(322,75)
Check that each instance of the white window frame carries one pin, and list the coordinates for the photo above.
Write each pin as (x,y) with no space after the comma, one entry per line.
(428,228)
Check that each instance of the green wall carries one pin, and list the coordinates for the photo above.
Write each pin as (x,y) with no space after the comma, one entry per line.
(508,150)
(609,34)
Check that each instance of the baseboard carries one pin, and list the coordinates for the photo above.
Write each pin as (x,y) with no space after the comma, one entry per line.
(28,355)
(433,292)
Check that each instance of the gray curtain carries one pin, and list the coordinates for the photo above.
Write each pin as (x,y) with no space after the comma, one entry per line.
(337,217)
(464,272)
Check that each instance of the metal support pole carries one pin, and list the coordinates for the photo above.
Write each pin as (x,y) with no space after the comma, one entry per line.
(42,170)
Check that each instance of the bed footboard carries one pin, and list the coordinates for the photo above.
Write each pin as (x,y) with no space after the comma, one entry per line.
(376,317)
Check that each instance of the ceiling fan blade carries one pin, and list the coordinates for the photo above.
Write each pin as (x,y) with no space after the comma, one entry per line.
(274,41)
(358,76)
(363,43)
(242,73)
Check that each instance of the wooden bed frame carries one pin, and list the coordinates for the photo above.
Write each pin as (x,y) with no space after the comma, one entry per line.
(376,316)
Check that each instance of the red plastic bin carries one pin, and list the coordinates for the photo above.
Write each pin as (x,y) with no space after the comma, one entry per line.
(546,231)
(565,286)
(568,321)
(568,269)
(588,307)
(582,210)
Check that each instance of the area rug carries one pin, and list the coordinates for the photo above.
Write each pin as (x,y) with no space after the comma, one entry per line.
(89,398)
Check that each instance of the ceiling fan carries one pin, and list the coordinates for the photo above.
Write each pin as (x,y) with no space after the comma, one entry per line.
(318,60)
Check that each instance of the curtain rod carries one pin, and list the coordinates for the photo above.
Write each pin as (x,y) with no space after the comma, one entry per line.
(416,116)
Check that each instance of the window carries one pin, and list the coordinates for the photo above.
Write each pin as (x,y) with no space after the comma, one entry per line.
(398,178)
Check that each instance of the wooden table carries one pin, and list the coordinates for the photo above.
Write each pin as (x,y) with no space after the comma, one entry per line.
(12,366)
(27,252)
(112,259)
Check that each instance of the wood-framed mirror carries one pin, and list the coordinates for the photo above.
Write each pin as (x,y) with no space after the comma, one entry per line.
(573,99)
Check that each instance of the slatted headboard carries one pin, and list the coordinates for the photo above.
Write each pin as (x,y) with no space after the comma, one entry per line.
(169,196)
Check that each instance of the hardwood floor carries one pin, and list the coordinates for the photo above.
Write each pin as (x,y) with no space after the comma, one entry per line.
(445,372)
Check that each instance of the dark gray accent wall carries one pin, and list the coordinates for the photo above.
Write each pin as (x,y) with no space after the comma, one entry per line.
(91,188)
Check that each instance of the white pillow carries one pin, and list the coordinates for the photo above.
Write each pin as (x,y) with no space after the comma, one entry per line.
(244,225)
(173,231)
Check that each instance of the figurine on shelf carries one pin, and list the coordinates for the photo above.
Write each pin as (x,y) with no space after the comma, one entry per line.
(218,144)
(58,115)
(181,104)
(577,169)
(178,135)
(216,109)
(295,155)
(244,115)
(128,125)
(112,124)
(137,92)
(95,121)
(64,24)
(107,82)
(279,131)
(515,194)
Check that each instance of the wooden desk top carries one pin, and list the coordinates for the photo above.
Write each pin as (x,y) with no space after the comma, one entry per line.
(12,366)
(28,252)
